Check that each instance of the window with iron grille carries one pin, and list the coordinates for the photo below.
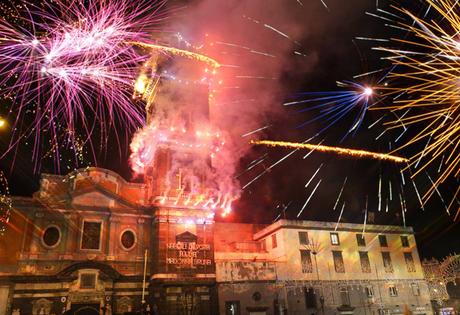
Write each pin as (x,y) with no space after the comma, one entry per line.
(370,292)
(360,240)
(335,239)
(415,289)
(87,281)
(338,261)
(365,263)
(383,241)
(303,238)
(305,260)
(392,290)
(387,264)
(404,241)
(410,264)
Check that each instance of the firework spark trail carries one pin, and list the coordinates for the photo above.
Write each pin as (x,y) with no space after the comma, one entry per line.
(380,193)
(390,190)
(255,131)
(327,149)
(308,200)
(269,168)
(365,214)
(418,195)
(324,4)
(402,209)
(340,193)
(274,164)
(311,151)
(340,217)
(253,164)
(435,189)
(313,176)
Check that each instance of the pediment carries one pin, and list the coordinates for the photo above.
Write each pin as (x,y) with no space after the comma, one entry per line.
(95,199)
(186,237)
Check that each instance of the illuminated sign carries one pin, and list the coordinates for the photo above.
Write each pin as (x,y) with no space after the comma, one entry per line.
(189,254)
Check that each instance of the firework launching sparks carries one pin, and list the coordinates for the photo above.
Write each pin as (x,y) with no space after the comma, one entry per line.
(340,151)
(70,60)
(425,87)
(203,145)
(180,52)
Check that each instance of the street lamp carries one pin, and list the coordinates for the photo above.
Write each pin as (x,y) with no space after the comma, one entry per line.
(315,247)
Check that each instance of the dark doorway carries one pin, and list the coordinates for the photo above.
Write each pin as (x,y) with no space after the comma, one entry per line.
(85,309)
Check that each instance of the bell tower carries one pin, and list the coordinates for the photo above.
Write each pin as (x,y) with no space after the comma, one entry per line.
(179,143)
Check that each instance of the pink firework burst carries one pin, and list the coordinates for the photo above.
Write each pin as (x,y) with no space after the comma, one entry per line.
(73,64)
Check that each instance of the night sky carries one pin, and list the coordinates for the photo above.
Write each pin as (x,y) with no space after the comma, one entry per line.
(327,38)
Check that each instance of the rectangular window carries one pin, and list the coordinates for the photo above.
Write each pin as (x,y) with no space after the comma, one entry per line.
(232,308)
(338,261)
(365,263)
(415,289)
(404,241)
(360,240)
(383,241)
(344,296)
(392,290)
(305,260)
(410,264)
(370,292)
(91,236)
(303,238)
(274,243)
(387,264)
(335,239)
(87,281)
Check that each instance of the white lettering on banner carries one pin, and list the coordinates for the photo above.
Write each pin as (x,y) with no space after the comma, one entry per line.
(187,254)
(189,246)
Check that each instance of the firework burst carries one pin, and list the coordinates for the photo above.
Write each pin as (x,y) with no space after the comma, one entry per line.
(73,66)
(333,106)
(425,88)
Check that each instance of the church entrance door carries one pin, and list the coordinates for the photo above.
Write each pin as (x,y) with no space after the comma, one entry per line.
(86,309)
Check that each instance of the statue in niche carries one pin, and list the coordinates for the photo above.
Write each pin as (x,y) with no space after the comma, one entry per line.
(124,305)
(41,307)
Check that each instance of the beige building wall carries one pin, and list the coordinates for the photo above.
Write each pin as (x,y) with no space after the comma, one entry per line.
(288,248)
(275,271)
(4,294)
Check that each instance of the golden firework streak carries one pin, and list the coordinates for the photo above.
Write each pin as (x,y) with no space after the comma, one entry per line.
(341,151)
(180,52)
